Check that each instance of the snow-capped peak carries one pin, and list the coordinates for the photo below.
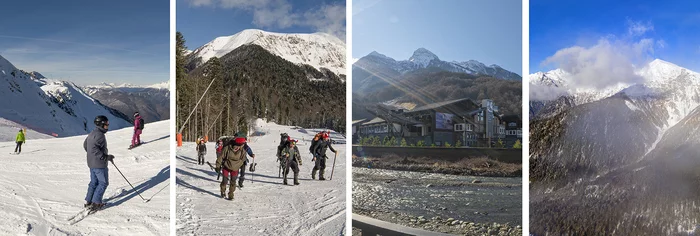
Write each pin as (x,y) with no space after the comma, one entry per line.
(659,70)
(423,57)
(319,50)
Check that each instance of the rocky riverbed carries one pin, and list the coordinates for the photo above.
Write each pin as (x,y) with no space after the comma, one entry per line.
(465,205)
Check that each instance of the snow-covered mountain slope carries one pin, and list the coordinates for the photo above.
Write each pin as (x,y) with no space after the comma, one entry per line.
(152,102)
(423,58)
(263,206)
(9,130)
(46,184)
(637,147)
(319,50)
(50,106)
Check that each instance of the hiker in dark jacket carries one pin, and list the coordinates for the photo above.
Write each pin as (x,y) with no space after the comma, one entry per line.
(97,157)
(249,151)
(293,161)
(201,151)
(20,140)
(320,156)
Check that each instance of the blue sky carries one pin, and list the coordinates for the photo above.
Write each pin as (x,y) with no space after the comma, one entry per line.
(455,30)
(673,27)
(200,21)
(89,42)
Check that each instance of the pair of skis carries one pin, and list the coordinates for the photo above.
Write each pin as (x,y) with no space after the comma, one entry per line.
(85,213)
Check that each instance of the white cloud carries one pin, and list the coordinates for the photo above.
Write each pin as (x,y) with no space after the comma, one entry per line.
(280,14)
(661,44)
(545,93)
(609,62)
(638,28)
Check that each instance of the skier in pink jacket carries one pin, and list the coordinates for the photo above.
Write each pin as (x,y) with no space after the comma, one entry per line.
(138,128)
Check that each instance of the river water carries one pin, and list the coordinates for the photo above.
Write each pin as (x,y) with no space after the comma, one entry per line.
(494,200)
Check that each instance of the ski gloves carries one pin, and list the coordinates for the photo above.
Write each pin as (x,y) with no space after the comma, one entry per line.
(108,157)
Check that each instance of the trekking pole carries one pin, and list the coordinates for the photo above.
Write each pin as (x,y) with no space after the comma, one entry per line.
(333,168)
(132,186)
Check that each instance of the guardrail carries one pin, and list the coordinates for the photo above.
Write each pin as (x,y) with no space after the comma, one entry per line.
(372,227)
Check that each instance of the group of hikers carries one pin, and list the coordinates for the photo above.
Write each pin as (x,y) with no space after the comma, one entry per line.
(232,158)
(95,145)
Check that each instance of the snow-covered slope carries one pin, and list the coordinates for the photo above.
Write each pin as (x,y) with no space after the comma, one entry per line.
(46,184)
(9,129)
(263,206)
(423,58)
(49,106)
(319,50)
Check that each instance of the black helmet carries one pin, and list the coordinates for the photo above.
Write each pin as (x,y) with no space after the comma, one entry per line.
(136,114)
(101,120)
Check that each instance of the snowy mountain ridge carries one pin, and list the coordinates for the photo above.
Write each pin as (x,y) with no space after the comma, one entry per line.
(423,58)
(661,78)
(50,106)
(319,50)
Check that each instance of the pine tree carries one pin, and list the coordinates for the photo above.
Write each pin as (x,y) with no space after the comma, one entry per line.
(517,144)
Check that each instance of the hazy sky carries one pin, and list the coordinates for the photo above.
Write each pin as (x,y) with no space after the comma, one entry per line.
(89,42)
(455,30)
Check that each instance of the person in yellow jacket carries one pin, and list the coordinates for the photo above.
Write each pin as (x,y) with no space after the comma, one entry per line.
(20,140)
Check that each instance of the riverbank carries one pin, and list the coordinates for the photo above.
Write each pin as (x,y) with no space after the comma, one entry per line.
(439,224)
(481,166)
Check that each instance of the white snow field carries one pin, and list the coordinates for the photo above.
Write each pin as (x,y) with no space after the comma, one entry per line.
(46,184)
(264,206)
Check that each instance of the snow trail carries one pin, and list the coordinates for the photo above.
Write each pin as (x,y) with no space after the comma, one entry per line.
(264,206)
(45,185)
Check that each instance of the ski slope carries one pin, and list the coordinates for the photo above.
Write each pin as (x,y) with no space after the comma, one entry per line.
(265,206)
(46,184)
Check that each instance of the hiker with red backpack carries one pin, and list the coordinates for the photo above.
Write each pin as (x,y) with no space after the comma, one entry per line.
(319,152)
(228,164)
(138,128)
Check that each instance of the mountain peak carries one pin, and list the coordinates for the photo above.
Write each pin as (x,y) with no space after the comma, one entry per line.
(376,54)
(423,57)
(320,50)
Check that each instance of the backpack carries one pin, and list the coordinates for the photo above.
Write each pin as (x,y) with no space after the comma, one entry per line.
(141,123)
(314,142)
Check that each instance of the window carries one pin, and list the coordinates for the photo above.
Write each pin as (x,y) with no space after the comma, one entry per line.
(512,124)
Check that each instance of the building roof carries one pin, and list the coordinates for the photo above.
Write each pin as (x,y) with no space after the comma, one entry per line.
(359,122)
(376,120)
(437,105)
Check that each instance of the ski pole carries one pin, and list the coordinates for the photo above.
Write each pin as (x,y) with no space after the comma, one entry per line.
(333,168)
(132,186)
